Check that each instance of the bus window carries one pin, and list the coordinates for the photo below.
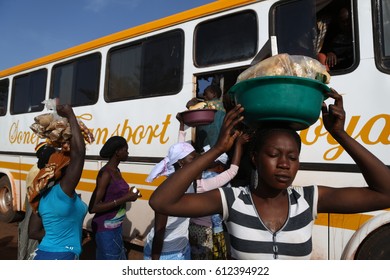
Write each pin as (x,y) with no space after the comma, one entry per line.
(226,39)
(28,92)
(293,24)
(151,67)
(4,84)
(322,29)
(382,34)
(77,82)
(337,49)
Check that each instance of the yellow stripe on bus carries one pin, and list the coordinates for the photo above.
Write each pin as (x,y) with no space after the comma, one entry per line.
(345,221)
(15,165)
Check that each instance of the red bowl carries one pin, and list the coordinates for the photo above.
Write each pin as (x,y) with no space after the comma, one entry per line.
(198,117)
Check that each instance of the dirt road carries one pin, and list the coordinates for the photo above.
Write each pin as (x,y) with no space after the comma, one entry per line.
(9,245)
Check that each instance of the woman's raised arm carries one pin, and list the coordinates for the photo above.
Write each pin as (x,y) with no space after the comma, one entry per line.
(170,198)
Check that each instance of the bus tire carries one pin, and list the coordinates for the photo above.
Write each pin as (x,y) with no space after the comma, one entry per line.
(7,213)
(375,245)
(369,242)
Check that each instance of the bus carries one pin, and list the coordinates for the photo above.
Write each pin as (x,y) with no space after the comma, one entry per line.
(133,83)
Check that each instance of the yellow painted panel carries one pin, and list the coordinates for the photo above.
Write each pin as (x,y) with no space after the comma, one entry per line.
(346,221)
(15,165)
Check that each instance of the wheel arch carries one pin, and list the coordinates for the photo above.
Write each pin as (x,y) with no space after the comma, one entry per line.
(367,237)
(8,202)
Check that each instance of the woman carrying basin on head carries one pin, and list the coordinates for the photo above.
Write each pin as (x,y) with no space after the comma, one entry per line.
(275,219)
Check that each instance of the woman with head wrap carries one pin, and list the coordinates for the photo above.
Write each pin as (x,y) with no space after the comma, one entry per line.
(168,239)
(27,246)
(59,212)
(108,201)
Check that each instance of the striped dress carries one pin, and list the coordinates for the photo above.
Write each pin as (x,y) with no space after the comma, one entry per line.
(250,238)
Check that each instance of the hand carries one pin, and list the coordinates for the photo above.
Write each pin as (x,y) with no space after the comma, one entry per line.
(229,131)
(331,59)
(179,117)
(192,102)
(333,115)
(133,194)
(64,110)
(243,138)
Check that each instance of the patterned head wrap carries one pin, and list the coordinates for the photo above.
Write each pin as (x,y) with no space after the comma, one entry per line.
(46,177)
(43,152)
(165,167)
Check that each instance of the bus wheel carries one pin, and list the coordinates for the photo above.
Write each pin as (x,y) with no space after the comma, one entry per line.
(375,246)
(7,214)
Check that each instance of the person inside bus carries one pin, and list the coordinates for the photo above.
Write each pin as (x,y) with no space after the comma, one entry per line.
(208,134)
(27,246)
(108,201)
(337,49)
(274,220)
(58,217)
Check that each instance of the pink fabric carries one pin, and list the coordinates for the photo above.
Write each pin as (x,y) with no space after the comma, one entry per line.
(225,177)
(204,185)
(165,167)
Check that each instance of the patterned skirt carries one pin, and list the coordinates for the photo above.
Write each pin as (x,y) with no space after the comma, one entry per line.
(201,241)
(219,246)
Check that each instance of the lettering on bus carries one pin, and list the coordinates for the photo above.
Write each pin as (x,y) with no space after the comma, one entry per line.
(134,135)
(21,137)
(381,121)
(368,134)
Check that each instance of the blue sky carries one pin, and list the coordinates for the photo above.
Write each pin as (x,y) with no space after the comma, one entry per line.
(33,28)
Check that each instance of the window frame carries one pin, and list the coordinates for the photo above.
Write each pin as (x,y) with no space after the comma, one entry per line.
(5,107)
(355,30)
(144,43)
(76,63)
(382,61)
(196,40)
(30,75)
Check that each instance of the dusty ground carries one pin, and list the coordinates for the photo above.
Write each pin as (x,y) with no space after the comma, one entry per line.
(9,245)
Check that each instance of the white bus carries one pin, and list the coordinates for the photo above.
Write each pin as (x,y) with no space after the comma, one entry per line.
(132,83)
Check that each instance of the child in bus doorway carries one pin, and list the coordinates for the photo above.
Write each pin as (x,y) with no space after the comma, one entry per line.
(275,219)
(208,134)
(108,201)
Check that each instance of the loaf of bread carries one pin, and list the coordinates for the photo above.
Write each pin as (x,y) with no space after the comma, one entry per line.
(287,65)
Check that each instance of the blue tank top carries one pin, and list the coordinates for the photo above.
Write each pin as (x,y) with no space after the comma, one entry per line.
(114,218)
(62,218)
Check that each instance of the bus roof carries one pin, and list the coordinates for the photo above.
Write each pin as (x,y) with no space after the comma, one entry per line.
(198,12)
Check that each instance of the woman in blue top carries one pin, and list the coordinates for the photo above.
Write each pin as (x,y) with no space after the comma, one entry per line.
(59,219)
(108,201)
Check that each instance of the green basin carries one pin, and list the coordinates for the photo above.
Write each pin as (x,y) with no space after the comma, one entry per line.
(292,100)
